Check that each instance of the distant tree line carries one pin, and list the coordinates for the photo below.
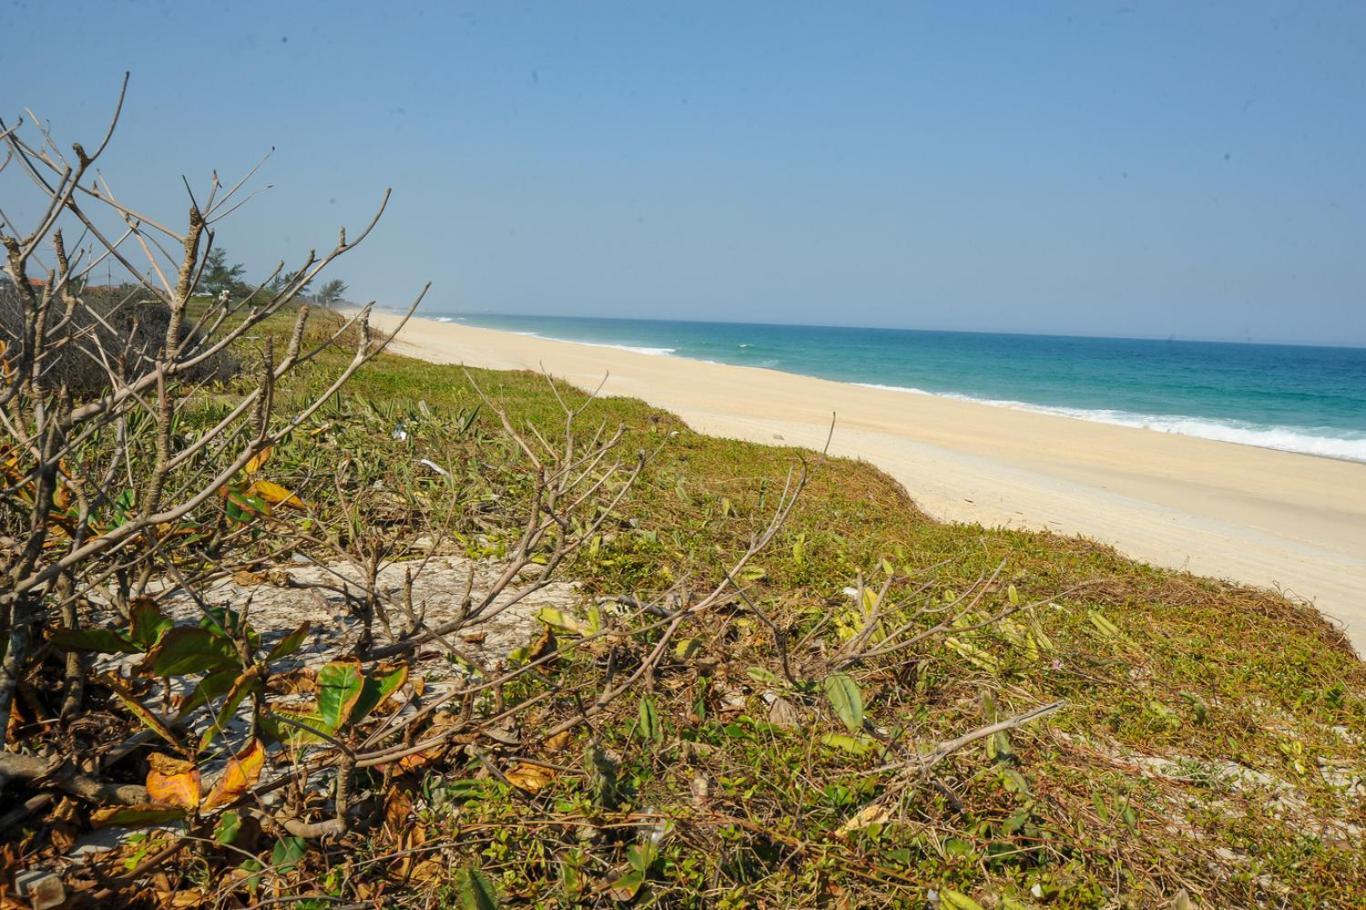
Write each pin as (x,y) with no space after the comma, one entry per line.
(219,277)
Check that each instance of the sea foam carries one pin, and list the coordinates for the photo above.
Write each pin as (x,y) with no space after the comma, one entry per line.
(634,349)
(1287,439)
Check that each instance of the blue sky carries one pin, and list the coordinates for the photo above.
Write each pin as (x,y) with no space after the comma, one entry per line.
(1196,170)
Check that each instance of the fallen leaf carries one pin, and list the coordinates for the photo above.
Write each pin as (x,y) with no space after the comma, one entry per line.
(135,816)
(172,781)
(294,682)
(529,777)
(544,645)
(783,713)
(397,809)
(429,870)
(274,493)
(423,758)
(700,788)
(260,458)
(409,841)
(247,579)
(243,770)
(869,815)
(189,897)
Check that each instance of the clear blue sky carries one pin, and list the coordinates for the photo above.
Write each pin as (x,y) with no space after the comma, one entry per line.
(1124,168)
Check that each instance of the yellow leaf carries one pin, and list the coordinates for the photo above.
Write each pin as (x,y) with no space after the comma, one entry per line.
(172,781)
(866,817)
(529,777)
(957,901)
(259,459)
(562,621)
(242,772)
(273,492)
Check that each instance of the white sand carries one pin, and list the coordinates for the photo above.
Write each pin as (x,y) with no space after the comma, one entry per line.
(1259,516)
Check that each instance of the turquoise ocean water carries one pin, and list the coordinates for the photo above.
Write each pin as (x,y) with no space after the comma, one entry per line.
(1300,399)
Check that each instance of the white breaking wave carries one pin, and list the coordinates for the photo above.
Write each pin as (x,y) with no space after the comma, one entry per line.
(444,319)
(1286,439)
(653,352)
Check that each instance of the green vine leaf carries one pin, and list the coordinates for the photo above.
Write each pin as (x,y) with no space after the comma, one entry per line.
(847,700)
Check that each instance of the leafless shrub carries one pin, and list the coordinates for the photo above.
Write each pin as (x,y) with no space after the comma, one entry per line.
(100,487)
(124,320)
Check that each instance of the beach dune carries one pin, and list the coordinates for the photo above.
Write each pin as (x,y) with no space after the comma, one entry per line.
(1258,516)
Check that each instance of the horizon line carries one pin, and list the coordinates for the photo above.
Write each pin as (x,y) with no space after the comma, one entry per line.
(886,328)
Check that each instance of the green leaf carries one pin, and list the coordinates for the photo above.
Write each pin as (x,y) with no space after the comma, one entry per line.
(147,622)
(253,866)
(855,745)
(101,641)
(642,857)
(289,644)
(1013,781)
(998,746)
(978,657)
(1016,821)
(229,623)
(376,690)
(763,675)
(627,887)
(244,685)
(186,649)
(209,688)
(686,648)
(953,900)
(846,699)
(248,507)
(1103,625)
(229,823)
(648,722)
(277,725)
(149,719)
(476,891)
(287,852)
(561,621)
(340,686)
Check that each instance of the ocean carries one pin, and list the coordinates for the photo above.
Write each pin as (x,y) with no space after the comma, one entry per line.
(1297,398)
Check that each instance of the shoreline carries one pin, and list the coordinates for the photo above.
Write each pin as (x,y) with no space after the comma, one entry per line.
(1260,516)
(1318,440)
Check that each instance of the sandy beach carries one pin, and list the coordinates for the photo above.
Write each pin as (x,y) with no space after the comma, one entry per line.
(1259,516)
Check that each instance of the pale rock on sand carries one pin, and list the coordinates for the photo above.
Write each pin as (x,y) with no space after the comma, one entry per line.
(292,594)
(1257,516)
